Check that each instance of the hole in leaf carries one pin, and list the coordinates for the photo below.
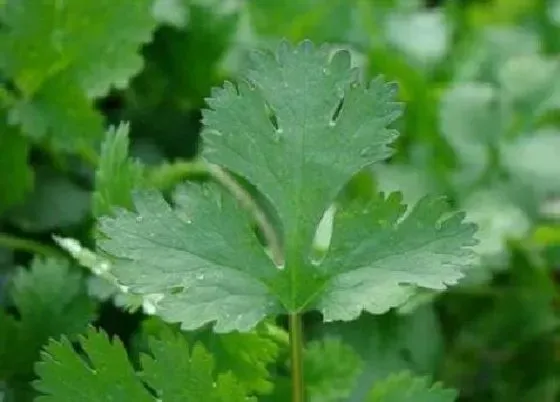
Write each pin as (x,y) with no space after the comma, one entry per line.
(337,110)
(271,116)
(323,235)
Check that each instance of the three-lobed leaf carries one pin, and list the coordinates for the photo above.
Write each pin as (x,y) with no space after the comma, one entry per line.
(298,128)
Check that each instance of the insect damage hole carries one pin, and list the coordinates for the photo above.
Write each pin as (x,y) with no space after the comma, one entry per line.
(336,112)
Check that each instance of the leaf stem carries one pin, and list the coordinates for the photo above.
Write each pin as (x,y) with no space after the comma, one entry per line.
(296,352)
(30,246)
(268,231)
(167,175)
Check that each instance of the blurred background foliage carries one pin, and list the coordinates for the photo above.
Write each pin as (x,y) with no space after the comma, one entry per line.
(482,126)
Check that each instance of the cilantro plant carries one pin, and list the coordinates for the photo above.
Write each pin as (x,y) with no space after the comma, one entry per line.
(292,233)
(299,126)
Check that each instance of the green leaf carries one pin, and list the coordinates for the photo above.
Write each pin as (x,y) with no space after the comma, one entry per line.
(430,30)
(331,370)
(15,173)
(554,12)
(300,165)
(501,11)
(191,375)
(171,77)
(509,328)
(171,12)
(65,376)
(470,122)
(533,159)
(429,247)
(172,371)
(493,47)
(521,311)
(117,174)
(50,300)
(411,181)
(404,387)
(60,55)
(204,258)
(248,355)
(209,275)
(88,40)
(297,20)
(498,218)
(390,343)
(529,81)
(60,112)
(55,202)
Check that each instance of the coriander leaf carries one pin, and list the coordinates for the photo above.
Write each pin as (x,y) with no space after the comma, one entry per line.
(282,129)
(492,48)
(498,219)
(390,343)
(533,159)
(172,372)
(208,264)
(16,174)
(470,122)
(55,202)
(65,375)
(331,370)
(430,30)
(116,174)
(298,130)
(50,300)
(171,12)
(171,79)
(60,112)
(62,54)
(404,387)
(528,81)
(248,356)
(191,375)
(296,20)
(376,249)
(413,182)
(88,40)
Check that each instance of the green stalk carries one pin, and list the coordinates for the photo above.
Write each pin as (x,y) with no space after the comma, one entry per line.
(247,201)
(31,246)
(296,352)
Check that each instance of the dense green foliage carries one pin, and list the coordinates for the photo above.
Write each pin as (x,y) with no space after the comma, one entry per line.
(163,240)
